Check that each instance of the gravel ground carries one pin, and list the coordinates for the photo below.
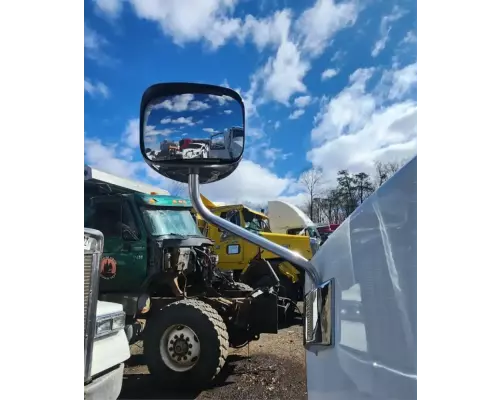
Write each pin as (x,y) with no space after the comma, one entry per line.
(271,368)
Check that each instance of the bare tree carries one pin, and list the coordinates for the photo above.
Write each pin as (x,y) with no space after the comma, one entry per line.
(384,170)
(364,186)
(311,181)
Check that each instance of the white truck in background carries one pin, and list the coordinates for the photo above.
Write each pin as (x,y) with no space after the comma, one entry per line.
(227,143)
(288,219)
(105,343)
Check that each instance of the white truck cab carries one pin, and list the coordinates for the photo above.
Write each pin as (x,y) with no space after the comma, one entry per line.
(372,258)
(105,343)
(287,218)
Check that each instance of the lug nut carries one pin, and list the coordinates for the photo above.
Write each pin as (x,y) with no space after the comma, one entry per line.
(182,336)
(190,345)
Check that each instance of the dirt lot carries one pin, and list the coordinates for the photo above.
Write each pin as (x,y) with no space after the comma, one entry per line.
(271,368)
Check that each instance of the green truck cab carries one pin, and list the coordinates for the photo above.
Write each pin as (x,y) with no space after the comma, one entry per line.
(129,223)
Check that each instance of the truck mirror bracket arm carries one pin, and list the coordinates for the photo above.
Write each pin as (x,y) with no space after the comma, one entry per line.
(296,259)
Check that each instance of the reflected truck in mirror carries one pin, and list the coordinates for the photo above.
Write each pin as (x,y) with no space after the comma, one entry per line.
(195,150)
(227,144)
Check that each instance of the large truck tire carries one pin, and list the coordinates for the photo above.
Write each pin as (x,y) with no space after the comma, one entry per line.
(185,344)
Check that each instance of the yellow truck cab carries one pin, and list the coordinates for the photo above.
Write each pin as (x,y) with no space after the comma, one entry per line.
(235,253)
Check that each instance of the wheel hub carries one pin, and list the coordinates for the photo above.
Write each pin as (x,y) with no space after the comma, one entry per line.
(180,348)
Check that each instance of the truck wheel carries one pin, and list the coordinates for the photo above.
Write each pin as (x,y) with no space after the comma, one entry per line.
(185,344)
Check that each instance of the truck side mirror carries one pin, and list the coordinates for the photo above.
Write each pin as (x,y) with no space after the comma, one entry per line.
(215,108)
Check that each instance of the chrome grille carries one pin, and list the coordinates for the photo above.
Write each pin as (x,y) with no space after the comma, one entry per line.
(87,268)
(309,315)
(93,247)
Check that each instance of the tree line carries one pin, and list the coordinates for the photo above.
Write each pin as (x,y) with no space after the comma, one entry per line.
(335,204)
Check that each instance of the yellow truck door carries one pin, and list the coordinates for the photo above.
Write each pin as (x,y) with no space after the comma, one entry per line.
(227,245)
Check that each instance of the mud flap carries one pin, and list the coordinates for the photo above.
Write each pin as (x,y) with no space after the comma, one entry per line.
(263,312)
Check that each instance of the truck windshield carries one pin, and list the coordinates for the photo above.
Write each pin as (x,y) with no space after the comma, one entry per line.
(170,221)
(255,222)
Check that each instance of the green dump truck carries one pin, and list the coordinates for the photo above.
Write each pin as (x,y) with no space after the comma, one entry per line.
(158,265)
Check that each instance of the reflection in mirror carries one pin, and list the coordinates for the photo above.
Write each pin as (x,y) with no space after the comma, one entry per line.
(194,126)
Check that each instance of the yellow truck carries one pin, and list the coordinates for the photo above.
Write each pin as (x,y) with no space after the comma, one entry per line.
(236,254)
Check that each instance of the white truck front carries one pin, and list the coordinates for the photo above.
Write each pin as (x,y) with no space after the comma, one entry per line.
(289,219)
(105,343)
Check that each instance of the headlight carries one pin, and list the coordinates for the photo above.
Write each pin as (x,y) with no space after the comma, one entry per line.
(108,324)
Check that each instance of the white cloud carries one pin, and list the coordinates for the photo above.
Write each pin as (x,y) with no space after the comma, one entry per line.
(385,29)
(328,73)
(191,21)
(209,130)
(270,31)
(228,112)
(92,40)
(182,103)
(110,8)
(356,127)
(221,99)
(213,21)
(106,158)
(131,134)
(116,160)
(347,111)
(302,101)
(152,131)
(296,114)
(96,89)
(338,55)
(181,120)
(277,124)
(298,199)
(410,37)
(250,183)
(318,24)
(402,81)
(94,45)
(283,74)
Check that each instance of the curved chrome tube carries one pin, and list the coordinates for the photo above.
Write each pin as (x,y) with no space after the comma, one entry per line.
(294,258)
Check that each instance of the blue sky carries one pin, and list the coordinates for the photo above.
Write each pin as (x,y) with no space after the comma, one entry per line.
(325,84)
